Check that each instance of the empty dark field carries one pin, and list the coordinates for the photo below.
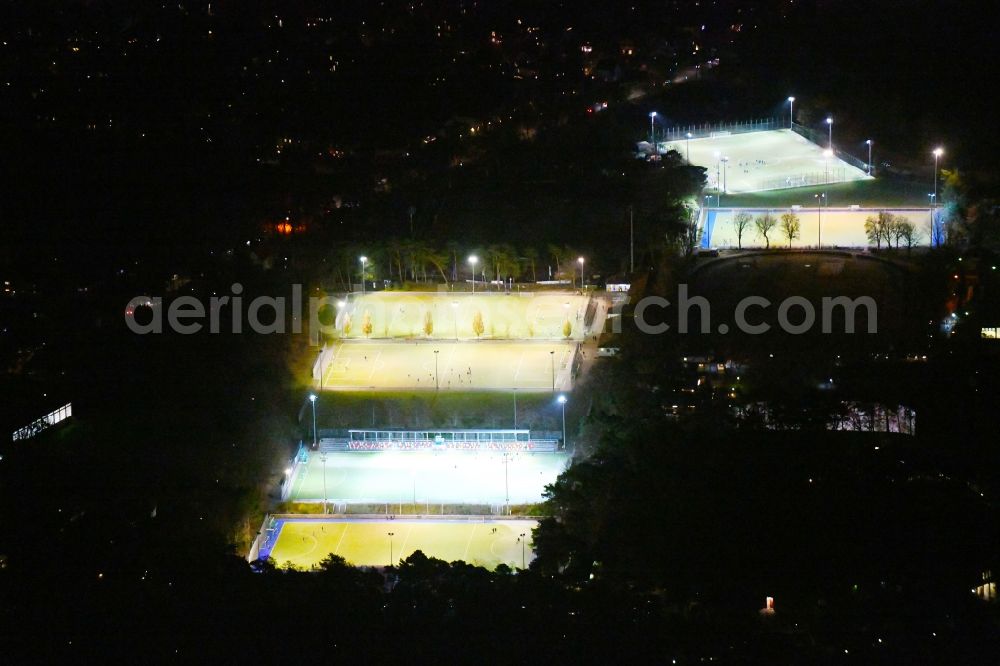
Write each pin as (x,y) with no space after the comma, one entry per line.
(899,319)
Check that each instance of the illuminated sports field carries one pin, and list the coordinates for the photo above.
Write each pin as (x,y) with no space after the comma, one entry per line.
(304,542)
(524,316)
(841,227)
(435,477)
(789,160)
(461,366)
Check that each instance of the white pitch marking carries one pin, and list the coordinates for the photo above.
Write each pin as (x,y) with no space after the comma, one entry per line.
(347,526)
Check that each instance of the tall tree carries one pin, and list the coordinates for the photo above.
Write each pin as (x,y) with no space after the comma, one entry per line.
(907,232)
(741,222)
(791,226)
(531,256)
(765,223)
(873,232)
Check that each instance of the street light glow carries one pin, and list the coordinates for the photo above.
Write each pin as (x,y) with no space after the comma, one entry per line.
(791,99)
(828,153)
(312,397)
(473,259)
(561,399)
(829,120)
(363,259)
(938,152)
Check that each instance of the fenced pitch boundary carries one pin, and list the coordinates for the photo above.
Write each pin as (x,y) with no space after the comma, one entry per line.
(708,130)
(820,139)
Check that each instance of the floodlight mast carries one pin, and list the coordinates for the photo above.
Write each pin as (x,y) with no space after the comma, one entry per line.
(472,262)
(312,399)
(938,152)
(562,403)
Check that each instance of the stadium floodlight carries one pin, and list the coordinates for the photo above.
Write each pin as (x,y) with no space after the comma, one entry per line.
(391,534)
(562,402)
(552,358)
(829,122)
(580,261)
(791,112)
(938,152)
(364,260)
(312,399)
(689,147)
(472,262)
(652,130)
(322,459)
(869,142)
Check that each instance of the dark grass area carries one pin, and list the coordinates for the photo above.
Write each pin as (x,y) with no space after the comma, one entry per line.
(424,409)
(901,318)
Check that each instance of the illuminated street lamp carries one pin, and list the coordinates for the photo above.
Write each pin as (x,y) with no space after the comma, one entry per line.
(938,152)
(391,534)
(472,262)
(829,122)
(725,172)
(652,131)
(718,171)
(819,216)
(689,147)
(791,112)
(869,142)
(364,260)
(562,403)
(580,261)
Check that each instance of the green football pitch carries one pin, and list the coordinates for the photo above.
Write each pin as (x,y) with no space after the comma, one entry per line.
(305,542)
(432,477)
(449,365)
(453,315)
